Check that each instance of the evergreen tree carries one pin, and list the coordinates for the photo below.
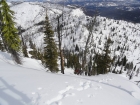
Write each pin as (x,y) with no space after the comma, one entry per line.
(107,58)
(24,47)
(50,50)
(1,44)
(77,48)
(76,63)
(104,60)
(9,32)
(24,50)
(101,66)
(124,60)
(35,52)
(69,60)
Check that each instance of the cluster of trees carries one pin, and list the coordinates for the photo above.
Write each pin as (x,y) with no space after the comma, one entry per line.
(96,63)
(87,61)
(10,40)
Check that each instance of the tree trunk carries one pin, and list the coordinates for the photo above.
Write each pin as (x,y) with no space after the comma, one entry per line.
(60,40)
(90,29)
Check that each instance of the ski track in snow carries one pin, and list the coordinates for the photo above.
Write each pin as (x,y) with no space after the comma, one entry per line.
(66,93)
(106,80)
(62,94)
(83,85)
(136,95)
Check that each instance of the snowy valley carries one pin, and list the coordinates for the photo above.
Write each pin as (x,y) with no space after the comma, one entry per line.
(32,84)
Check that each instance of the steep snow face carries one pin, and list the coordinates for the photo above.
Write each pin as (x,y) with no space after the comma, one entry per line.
(28,14)
(29,84)
(77,12)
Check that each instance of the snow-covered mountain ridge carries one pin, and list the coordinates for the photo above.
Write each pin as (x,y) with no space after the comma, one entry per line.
(123,34)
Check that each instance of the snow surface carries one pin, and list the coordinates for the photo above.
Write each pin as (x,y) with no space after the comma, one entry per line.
(30,84)
(77,12)
(29,14)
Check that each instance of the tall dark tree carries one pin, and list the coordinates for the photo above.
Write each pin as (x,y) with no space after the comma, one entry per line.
(9,32)
(103,61)
(101,66)
(50,50)
(89,40)
(1,43)
(107,58)
(24,47)
(59,32)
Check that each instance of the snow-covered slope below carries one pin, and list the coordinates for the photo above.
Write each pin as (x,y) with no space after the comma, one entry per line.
(29,85)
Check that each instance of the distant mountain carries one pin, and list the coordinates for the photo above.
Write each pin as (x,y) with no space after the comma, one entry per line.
(71,0)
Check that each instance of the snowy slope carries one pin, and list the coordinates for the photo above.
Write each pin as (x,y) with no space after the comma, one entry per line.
(29,14)
(29,85)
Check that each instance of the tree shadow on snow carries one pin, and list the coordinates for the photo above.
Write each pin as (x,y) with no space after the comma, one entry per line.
(10,96)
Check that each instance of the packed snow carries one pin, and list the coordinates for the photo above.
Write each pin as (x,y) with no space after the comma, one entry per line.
(77,12)
(30,84)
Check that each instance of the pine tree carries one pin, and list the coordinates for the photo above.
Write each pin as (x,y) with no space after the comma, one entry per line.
(107,58)
(35,52)
(77,48)
(50,50)
(76,63)
(100,62)
(1,44)
(24,50)
(104,60)
(24,47)
(9,32)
